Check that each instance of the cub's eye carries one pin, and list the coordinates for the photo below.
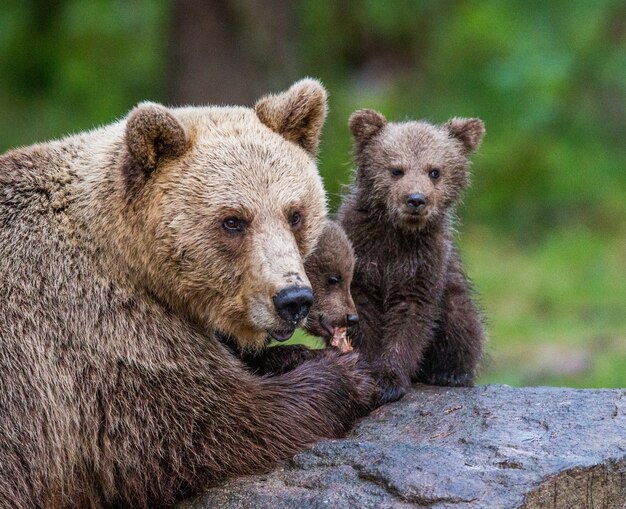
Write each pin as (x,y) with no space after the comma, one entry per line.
(234,225)
(334,280)
(397,172)
(295,219)
(434,174)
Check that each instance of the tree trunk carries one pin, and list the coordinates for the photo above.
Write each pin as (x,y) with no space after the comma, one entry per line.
(230,51)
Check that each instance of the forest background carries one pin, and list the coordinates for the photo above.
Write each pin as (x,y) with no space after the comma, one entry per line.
(543,229)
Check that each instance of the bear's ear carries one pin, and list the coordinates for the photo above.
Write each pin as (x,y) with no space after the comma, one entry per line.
(297,114)
(365,124)
(469,131)
(153,133)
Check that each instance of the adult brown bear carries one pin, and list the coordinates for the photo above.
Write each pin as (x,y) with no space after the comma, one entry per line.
(122,250)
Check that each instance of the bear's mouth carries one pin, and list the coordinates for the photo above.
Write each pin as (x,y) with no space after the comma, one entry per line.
(416,215)
(281,334)
(327,327)
(415,219)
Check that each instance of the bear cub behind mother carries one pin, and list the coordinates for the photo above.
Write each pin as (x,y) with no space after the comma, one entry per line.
(122,251)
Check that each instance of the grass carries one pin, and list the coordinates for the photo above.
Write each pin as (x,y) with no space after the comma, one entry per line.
(556,310)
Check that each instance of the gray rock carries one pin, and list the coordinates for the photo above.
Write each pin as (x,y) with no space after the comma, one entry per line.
(490,446)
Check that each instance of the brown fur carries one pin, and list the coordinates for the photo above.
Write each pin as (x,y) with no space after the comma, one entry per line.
(329,269)
(417,318)
(115,392)
(297,117)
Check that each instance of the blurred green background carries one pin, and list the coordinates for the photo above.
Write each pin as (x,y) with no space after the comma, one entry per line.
(543,234)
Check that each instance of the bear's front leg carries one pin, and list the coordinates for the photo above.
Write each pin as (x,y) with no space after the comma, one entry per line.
(453,356)
(274,360)
(407,332)
(167,431)
(279,359)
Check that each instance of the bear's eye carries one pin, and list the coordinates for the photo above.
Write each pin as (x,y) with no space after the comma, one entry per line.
(295,219)
(234,225)
(334,280)
(397,172)
(434,174)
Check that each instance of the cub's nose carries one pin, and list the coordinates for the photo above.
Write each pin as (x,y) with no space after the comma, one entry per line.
(352,320)
(416,202)
(293,303)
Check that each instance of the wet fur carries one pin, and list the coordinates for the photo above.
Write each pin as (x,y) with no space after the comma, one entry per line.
(417,317)
(115,391)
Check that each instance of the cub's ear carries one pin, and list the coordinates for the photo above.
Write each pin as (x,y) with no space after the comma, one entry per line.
(365,124)
(469,131)
(297,114)
(153,134)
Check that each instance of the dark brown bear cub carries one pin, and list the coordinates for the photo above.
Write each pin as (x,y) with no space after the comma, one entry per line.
(417,319)
(329,269)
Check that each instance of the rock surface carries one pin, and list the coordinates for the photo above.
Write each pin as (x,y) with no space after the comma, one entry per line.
(490,446)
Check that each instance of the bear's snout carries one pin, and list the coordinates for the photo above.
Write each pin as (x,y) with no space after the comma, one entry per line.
(416,203)
(352,320)
(293,303)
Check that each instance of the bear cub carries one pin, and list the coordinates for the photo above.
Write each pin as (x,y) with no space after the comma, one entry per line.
(329,269)
(333,313)
(418,321)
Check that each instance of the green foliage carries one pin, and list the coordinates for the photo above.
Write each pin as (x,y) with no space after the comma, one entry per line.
(548,79)
(543,229)
(69,65)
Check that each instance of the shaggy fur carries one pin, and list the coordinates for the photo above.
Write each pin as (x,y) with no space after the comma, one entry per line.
(329,269)
(417,318)
(116,269)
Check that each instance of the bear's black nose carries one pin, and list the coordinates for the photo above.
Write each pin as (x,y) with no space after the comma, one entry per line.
(416,202)
(293,303)
(352,320)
